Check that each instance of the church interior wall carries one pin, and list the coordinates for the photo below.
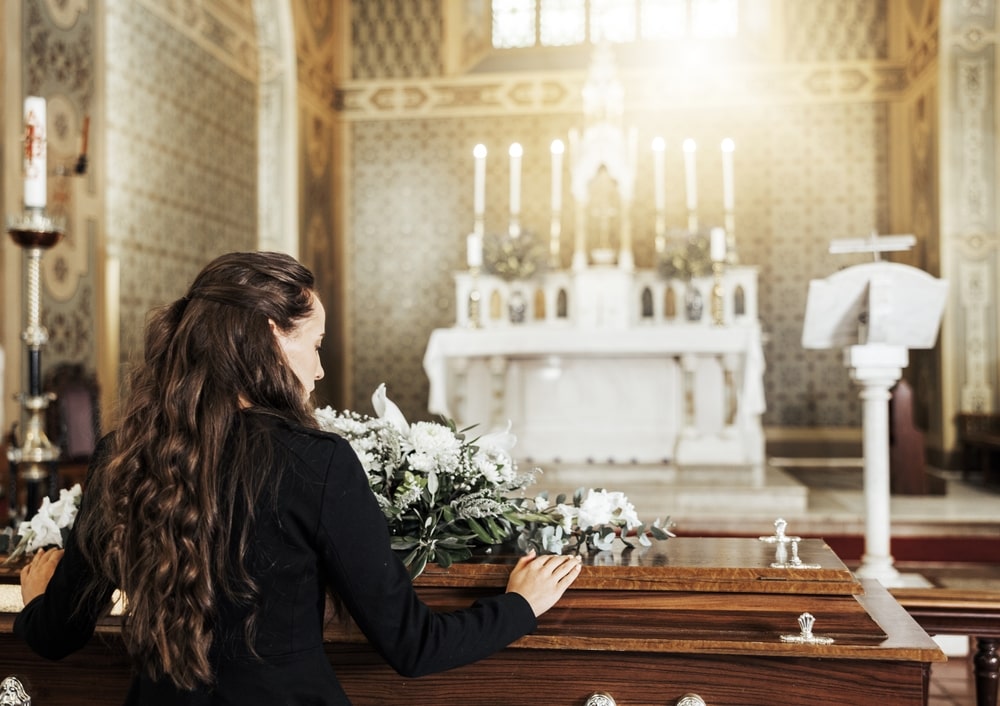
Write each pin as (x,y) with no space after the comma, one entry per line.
(389,110)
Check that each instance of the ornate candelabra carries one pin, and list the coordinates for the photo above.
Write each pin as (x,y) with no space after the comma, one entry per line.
(33,457)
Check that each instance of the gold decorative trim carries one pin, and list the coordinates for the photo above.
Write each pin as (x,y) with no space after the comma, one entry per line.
(503,94)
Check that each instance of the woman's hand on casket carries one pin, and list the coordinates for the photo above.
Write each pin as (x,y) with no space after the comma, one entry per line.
(541,580)
(36,573)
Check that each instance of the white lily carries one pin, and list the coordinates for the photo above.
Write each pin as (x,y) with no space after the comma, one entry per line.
(386,409)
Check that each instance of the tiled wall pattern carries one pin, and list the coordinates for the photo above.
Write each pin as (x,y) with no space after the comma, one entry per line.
(181,155)
(396,39)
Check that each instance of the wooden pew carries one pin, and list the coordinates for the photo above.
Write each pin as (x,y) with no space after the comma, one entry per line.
(943,611)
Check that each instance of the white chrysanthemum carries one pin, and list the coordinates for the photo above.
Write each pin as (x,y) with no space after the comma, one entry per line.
(435,447)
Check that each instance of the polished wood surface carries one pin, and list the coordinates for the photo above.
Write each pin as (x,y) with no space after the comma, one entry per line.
(646,627)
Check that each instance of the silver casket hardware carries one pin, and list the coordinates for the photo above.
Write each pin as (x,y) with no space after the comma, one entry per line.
(599,698)
(690,700)
(12,693)
(805,636)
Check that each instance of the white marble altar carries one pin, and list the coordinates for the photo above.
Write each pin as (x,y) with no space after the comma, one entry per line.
(688,394)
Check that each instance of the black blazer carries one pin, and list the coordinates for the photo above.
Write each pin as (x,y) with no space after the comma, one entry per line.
(322,528)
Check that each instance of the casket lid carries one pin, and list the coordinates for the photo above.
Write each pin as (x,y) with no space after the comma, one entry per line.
(688,564)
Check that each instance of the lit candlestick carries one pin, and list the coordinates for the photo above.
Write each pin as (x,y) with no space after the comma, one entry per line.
(474,250)
(34,152)
(479,196)
(691,181)
(557,156)
(717,245)
(659,171)
(515,178)
(727,174)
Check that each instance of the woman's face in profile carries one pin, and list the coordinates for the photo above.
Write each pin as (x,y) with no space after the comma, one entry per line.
(302,344)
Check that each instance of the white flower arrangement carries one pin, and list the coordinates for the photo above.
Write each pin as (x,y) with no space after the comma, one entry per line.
(49,526)
(445,494)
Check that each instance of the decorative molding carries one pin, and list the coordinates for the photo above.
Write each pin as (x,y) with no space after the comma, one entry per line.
(503,94)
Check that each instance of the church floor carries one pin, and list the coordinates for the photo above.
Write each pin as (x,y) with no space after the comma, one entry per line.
(952,683)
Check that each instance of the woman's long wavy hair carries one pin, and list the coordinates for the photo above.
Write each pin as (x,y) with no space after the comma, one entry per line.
(162,505)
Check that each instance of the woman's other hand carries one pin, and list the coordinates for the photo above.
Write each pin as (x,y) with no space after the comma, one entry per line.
(36,574)
(541,580)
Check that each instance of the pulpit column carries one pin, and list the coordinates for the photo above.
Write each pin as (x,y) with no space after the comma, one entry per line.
(876,368)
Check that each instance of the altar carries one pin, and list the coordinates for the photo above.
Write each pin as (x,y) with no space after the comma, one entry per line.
(688,394)
(605,361)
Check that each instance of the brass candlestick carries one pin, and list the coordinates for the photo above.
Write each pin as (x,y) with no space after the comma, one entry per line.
(718,313)
(33,458)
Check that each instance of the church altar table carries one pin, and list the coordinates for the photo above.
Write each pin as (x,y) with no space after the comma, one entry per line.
(704,617)
(687,393)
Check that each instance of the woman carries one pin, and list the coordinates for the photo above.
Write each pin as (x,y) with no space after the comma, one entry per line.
(225,515)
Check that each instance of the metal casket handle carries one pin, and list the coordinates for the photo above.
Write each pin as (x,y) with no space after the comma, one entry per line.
(690,700)
(599,698)
(12,692)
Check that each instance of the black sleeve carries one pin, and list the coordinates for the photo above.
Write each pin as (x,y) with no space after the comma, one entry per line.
(55,624)
(378,592)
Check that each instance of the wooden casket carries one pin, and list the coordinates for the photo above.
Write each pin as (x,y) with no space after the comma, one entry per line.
(688,621)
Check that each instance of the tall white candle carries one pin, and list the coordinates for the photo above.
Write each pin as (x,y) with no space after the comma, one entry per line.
(557,159)
(727,174)
(515,178)
(659,173)
(690,178)
(474,250)
(34,152)
(479,195)
(717,245)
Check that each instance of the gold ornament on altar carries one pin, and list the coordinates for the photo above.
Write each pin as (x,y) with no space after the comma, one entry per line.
(688,258)
(513,257)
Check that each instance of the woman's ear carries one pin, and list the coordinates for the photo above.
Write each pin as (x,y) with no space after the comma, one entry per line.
(274,326)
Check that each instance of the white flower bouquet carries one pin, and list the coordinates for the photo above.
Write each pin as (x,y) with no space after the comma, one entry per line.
(592,522)
(445,494)
(49,526)
(441,492)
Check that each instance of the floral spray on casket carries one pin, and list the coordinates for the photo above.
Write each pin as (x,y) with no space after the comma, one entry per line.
(445,493)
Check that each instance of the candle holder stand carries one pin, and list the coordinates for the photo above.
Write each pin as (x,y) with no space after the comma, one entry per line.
(474,304)
(555,238)
(33,458)
(692,221)
(718,314)
(661,233)
(732,257)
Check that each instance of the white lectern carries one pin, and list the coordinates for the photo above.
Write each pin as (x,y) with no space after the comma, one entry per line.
(877,312)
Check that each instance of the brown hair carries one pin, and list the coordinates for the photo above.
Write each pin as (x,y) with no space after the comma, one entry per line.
(164,533)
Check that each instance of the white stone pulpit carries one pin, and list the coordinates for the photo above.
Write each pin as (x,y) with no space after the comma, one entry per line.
(876,312)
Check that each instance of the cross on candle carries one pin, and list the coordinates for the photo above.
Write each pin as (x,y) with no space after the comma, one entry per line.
(34,152)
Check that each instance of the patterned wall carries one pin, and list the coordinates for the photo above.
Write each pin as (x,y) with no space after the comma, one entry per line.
(59,65)
(810,167)
(182,160)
